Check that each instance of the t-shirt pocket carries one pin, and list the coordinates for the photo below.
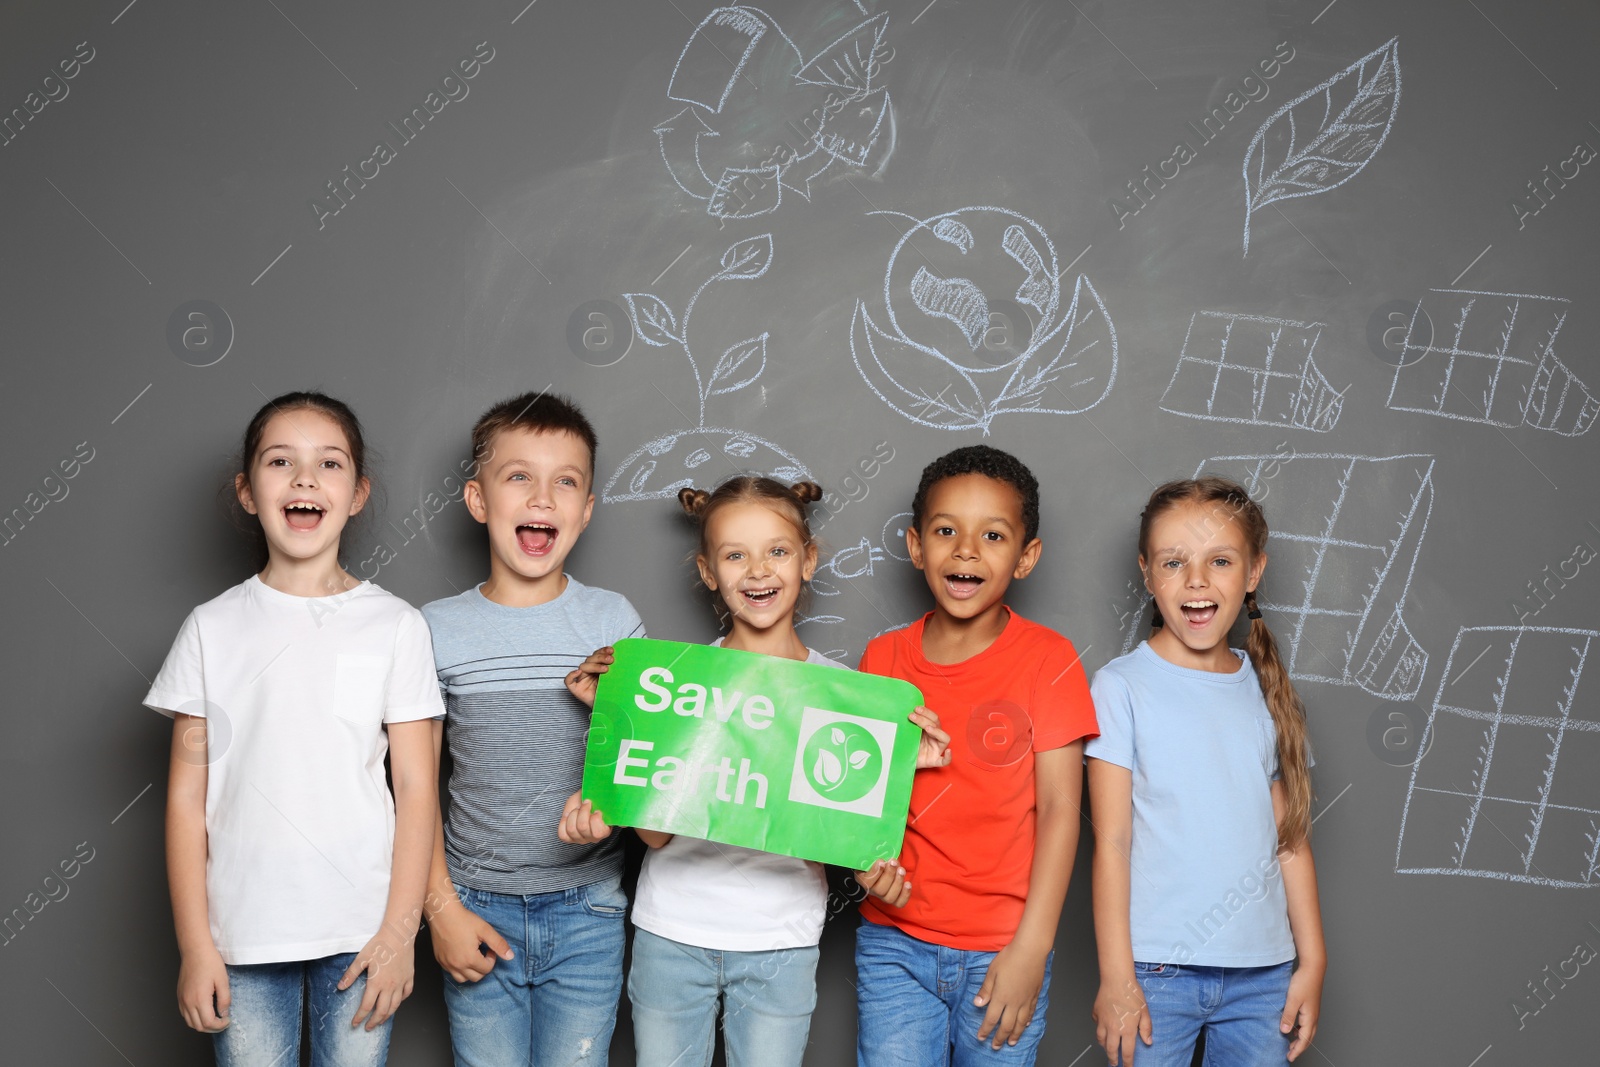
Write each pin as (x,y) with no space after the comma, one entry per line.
(360,684)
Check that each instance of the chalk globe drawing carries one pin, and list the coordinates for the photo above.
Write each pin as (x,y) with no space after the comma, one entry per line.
(945,278)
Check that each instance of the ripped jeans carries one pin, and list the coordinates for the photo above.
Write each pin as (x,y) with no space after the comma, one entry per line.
(554,1004)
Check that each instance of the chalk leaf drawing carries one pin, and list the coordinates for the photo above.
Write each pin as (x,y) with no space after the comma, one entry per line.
(1344,544)
(1252,370)
(1322,139)
(741,72)
(1490,358)
(1506,786)
(747,358)
(946,277)
(653,320)
(663,466)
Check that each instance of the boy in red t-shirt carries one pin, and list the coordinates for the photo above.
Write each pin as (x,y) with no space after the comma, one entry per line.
(962,963)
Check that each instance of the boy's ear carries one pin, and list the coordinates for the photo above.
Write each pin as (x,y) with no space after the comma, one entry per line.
(241,489)
(472,496)
(1029,560)
(914,545)
(706,574)
(588,513)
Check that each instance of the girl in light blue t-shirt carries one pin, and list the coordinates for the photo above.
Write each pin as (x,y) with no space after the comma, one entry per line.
(1205,892)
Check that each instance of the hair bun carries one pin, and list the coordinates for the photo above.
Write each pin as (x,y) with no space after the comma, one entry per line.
(693,500)
(806,492)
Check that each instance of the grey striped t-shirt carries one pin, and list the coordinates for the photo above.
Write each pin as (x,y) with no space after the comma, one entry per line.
(516,735)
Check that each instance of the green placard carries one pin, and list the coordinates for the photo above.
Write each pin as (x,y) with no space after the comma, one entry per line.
(753,750)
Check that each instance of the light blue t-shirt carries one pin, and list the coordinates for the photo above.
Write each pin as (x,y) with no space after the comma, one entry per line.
(1205,887)
(517,736)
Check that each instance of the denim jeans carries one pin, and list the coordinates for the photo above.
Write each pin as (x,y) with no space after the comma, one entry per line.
(1237,1007)
(554,1004)
(767,999)
(914,1004)
(268,1002)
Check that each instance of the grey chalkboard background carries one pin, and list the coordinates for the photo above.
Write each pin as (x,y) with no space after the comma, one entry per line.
(1427,456)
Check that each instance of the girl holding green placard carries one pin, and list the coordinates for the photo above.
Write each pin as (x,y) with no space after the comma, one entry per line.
(716,922)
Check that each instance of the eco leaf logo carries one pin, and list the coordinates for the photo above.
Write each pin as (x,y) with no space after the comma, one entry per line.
(841,761)
(844,761)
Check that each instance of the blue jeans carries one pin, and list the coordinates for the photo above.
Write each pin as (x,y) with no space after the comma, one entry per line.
(268,1002)
(767,1000)
(914,1004)
(1237,1007)
(554,1003)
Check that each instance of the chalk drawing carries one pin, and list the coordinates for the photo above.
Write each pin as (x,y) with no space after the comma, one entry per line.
(945,276)
(1323,138)
(789,118)
(1493,363)
(1346,531)
(1506,787)
(1252,370)
(662,467)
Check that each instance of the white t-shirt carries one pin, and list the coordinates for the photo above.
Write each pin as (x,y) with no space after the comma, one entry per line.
(735,899)
(299,819)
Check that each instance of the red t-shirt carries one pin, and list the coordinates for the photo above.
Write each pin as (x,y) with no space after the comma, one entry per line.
(969,838)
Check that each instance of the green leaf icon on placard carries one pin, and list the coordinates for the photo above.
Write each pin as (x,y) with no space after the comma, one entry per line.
(846,761)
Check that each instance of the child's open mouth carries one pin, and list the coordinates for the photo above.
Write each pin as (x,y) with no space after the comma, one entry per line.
(1199,613)
(962,586)
(302,515)
(536,538)
(759,598)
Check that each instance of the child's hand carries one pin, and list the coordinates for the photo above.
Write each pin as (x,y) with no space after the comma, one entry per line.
(1011,991)
(1121,1018)
(390,968)
(1302,1009)
(199,980)
(580,823)
(935,748)
(886,880)
(582,682)
(459,937)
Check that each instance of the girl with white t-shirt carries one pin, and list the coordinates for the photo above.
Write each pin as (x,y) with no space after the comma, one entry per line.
(713,921)
(294,872)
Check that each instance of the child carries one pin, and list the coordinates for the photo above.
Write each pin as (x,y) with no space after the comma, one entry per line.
(717,922)
(1199,786)
(965,960)
(291,865)
(550,914)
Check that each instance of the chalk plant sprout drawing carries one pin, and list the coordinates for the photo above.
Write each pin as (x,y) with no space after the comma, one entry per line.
(1252,370)
(944,279)
(1506,787)
(665,465)
(1324,137)
(1493,362)
(1344,545)
(741,74)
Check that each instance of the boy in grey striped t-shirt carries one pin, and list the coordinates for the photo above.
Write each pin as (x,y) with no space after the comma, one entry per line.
(529,930)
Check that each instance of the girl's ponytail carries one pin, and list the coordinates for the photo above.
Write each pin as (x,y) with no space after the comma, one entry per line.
(1289,716)
(806,492)
(694,501)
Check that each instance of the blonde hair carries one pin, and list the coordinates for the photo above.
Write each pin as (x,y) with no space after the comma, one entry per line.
(790,501)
